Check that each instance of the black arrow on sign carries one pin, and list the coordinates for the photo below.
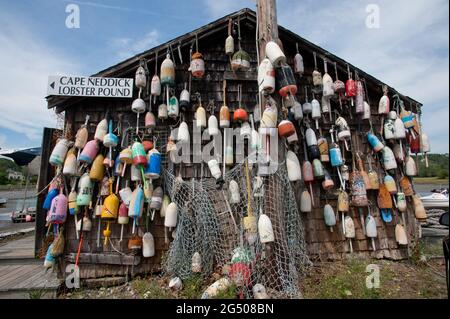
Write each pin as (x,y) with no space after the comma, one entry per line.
(52,85)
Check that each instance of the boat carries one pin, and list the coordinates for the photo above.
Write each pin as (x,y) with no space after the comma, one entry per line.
(436,199)
(3,201)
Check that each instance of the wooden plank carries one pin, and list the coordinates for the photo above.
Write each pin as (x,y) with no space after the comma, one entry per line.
(17,276)
(44,179)
(108,259)
(6,270)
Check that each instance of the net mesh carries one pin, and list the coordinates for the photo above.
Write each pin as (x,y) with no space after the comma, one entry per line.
(212,225)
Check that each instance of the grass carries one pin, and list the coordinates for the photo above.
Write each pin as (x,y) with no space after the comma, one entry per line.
(151,288)
(398,279)
(431,180)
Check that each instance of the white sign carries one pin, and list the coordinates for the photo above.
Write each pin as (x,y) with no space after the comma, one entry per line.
(87,86)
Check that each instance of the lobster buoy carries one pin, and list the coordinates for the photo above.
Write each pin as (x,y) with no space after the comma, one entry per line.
(265,229)
(305,202)
(136,204)
(358,190)
(167,72)
(299,66)
(101,130)
(398,153)
(148,245)
(371,227)
(200,116)
(307,107)
(359,97)
(327,83)
(183,133)
(335,154)
(366,112)
(269,118)
(123,218)
(140,79)
(196,262)
(286,81)
(311,138)
(164,205)
(293,167)
(138,154)
(89,152)
(240,61)
(399,129)
(49,260)
(349,227)
(70,167)
(389,129)
(410,167)
(275,54)
(148,145)
(216,288)
(155,86)
(384,104)
(171,217)
(233,189)
(82,135)
(327,183)
(58,209)
(49,198)
(97,171)
(384,201)
(401,202)
(173,109)
(298,111)
(374,142)
(123,215)
(215,170)
(229,41)
(185,98)
(125,195)
(175,284)
(197,66)
(162,111)
(224,116)
(318,169)
(329,216)
(266,77)
(213,127)
(316,113)
(286,128)
(389,182)
(400,235)
(72,203)
(425,146)
(406,186)
(343,201)
(153,169)
(59,152)
(259,292)
(419,209)
(389,161)
(85,189)
(157,198)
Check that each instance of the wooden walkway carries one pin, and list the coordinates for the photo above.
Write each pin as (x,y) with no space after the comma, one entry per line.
(23,276)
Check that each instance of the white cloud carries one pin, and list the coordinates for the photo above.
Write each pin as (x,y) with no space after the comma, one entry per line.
(128,47)
(27,62)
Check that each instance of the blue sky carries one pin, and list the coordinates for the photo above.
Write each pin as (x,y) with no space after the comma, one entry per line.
(410,50)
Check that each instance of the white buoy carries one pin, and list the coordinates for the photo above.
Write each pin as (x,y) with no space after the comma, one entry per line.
(274,54)
(148,245)
(305,202)
(233,189)
(293,167)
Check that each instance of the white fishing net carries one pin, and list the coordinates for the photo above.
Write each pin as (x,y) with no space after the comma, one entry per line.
(206,225)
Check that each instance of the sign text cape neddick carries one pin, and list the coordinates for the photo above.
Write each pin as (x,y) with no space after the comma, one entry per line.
(90,86)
